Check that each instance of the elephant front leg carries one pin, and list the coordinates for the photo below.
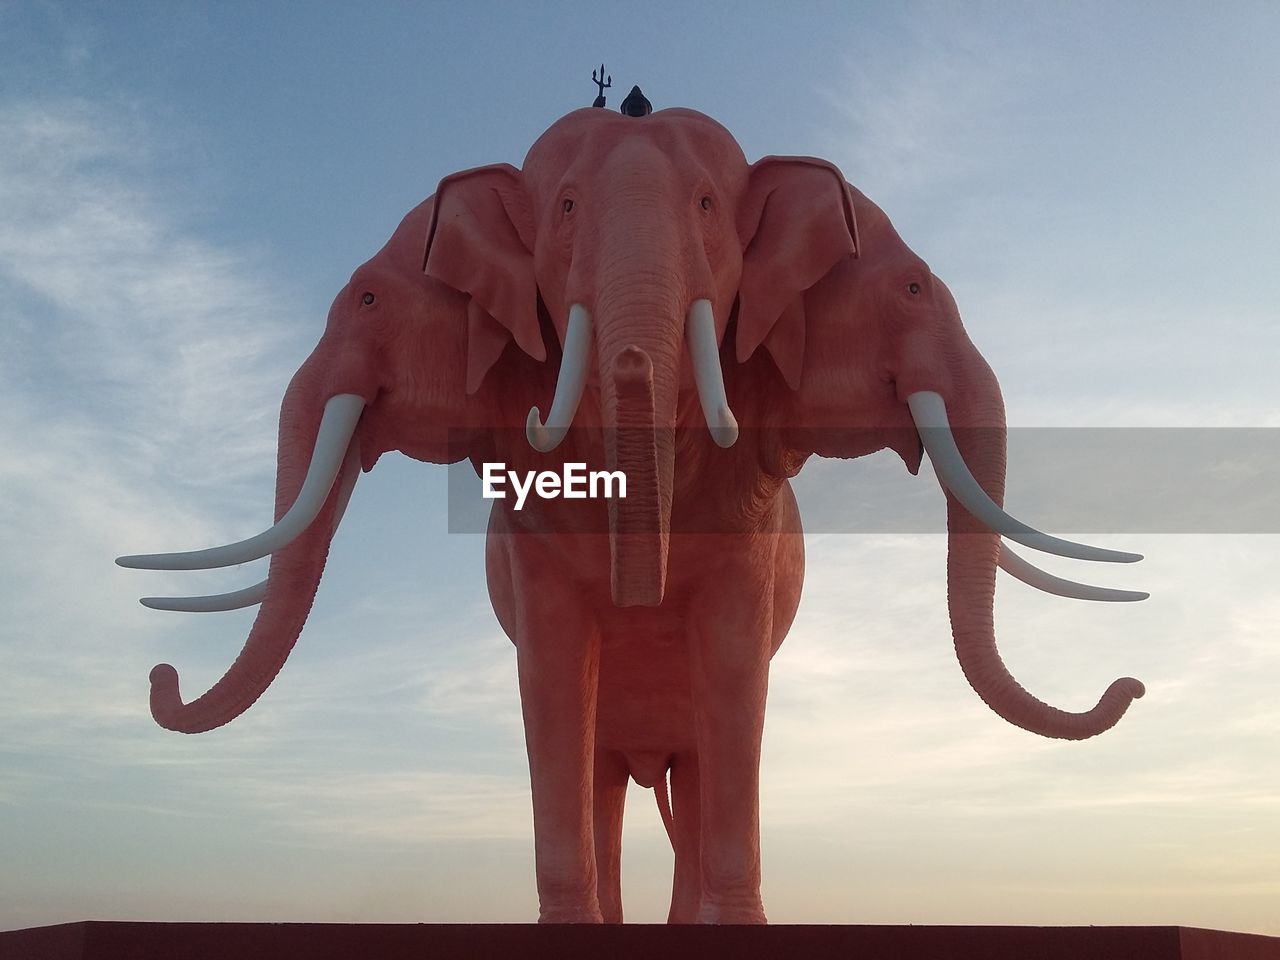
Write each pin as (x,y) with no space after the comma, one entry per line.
(557,651)
(731,632)
(611,776)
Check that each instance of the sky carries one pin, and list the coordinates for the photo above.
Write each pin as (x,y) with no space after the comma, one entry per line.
(183,189)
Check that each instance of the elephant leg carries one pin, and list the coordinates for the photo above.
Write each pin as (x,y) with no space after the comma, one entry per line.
(731,633)
(686,815)
(558,655)
(610,789)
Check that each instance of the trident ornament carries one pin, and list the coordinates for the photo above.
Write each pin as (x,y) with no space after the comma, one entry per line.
(603,84)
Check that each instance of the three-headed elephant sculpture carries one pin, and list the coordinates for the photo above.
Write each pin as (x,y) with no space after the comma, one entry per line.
(631,270)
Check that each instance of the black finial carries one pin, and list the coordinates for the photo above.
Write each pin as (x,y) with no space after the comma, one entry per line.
(636,104)
(603,84)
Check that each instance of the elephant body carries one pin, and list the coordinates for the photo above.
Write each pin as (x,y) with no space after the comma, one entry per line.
(704,325)
(643,673)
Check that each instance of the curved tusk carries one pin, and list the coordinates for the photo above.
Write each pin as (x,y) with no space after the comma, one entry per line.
(237,599)
(930,414)
(573,377)
(1033,576)
(213,603)
(341,414)
(700,331)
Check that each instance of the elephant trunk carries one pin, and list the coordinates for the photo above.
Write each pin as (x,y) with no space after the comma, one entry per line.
(639,345)
(639,524)
(292,580)
(973,550)
(637,278)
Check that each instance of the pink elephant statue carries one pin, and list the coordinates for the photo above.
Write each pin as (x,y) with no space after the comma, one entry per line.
(631,269)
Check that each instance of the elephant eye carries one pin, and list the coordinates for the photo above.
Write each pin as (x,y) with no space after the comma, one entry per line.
(367,299)
(706,203)
(913,288)
(568,205)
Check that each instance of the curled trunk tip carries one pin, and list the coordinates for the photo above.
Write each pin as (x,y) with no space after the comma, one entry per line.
(1022,709)
(166,700)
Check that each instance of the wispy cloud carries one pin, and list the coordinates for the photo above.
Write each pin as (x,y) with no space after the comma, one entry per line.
(868,702)
(125,321)
(126,337)
(918,112)
(1076,228)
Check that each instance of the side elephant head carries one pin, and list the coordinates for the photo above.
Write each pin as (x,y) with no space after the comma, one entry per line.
(401,366)
(887,364)
(638,235)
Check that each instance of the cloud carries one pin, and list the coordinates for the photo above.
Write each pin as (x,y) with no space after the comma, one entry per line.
(125,320)
(868,704)
(141,369)
(1108,267)
(918,110)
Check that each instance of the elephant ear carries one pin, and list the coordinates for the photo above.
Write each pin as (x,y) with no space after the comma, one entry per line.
(480,241)
(795,222)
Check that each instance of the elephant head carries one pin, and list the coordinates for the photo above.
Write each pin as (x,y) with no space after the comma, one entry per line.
(639,234)
(401,366)
(878,358)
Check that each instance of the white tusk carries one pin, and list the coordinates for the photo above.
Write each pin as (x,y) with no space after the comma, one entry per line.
(210,604)
(348,476)
(700,331)
(930,414)
(341,413)
(1033,576)
(218,602)
(573,377)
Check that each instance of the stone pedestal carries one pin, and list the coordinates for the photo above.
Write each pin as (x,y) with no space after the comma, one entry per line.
(101,940)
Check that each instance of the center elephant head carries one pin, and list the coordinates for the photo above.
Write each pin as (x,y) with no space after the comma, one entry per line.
(643,237)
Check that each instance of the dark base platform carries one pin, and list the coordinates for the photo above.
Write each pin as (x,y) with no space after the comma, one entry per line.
(98,940)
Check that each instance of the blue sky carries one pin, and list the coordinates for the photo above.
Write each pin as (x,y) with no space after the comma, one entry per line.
(182,191)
